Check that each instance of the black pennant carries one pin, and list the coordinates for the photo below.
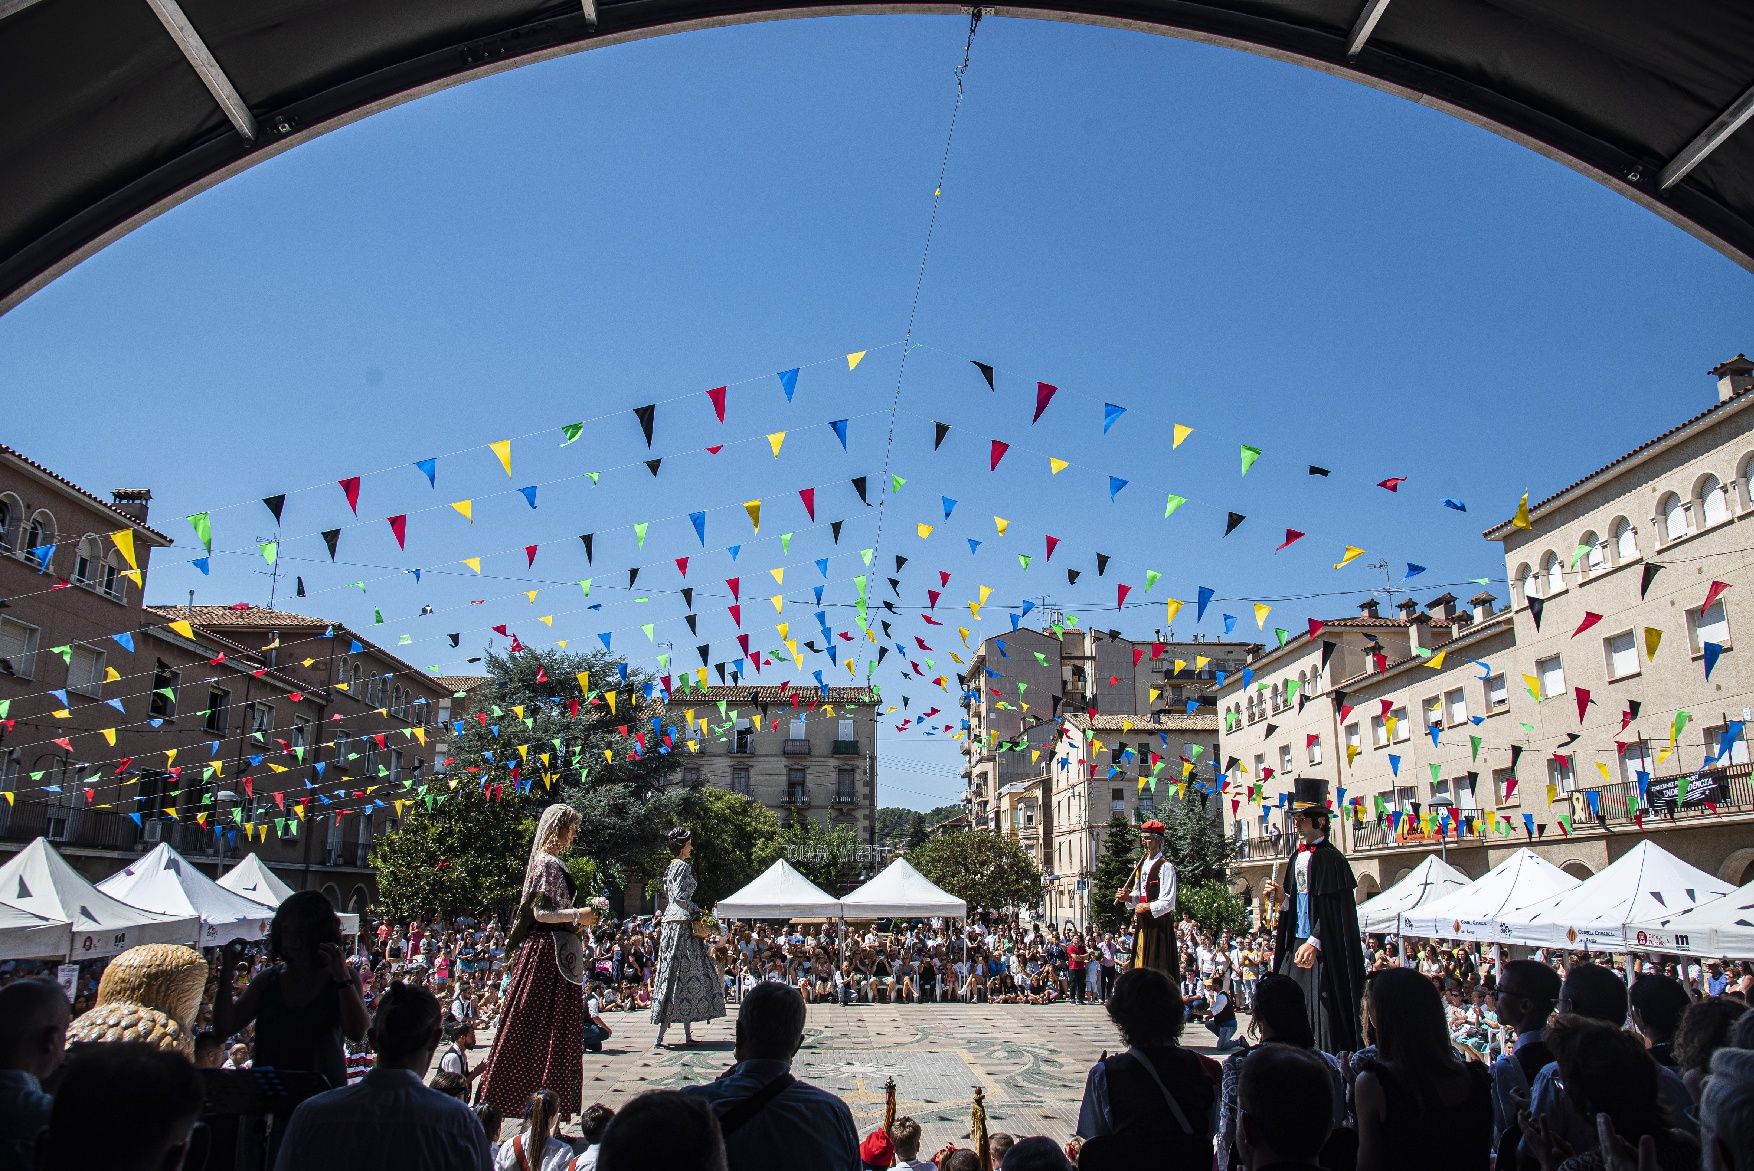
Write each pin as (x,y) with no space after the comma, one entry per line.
(986,372)
(1516,752)
(647,416)
(1315,471)
(834,527)
(1235,519)
(1071,577)
(702,649)
(859,487)
(943,429)
(1328,648)
(332,538)
(1536,605)
(632,576)
(688,596)
(894,585)
(883,653)
(1101,564)
(884,623)
(720,668)
(456,640)
(693,624)
(1651,569)
(899,562)
(301,586)
(652,465)
(1634,706)
(587,539)
(275,505)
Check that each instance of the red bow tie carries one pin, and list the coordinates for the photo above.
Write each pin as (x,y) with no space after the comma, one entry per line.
(1306,847)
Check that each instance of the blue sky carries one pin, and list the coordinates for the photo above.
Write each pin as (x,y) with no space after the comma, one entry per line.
(1266,254)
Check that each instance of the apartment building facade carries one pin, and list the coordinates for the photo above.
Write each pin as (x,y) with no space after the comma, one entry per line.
(1574,721)
(220,729)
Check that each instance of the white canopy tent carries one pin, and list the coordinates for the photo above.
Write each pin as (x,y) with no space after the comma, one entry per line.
(900,892)
(779,892)
(168,883)
(1644,882)
(1719,929)
(252,879)
(24,936)
(1475,911)
(41,882)
(1430,880)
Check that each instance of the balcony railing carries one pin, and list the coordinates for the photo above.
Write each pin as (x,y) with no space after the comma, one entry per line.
(798,797)
(796,748)
(845,798)
(98,829)
(851,748)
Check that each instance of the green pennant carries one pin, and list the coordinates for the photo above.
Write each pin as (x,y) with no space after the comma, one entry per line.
(1174,503)
(1250,454)
(203,525)
(895,483)
(572,431)
(1151,579)
(270,551)
(639,533)
(1474,743)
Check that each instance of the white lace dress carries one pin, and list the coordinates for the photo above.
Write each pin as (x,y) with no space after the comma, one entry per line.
(687,987)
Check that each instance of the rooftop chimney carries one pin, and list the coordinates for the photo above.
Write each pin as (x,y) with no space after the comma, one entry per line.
(1443,606)
(1408,607)
(1367,608)
(1733,377)
(132,502)
(1483,603)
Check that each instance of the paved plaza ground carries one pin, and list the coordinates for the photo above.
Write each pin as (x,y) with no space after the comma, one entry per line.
(1030,1060)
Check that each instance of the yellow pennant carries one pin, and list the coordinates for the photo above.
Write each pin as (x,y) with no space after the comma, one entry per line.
(1174,607)
(924,529)
(778,574)
(546,619)
(1261,612)
(1056,466)
(109,735)
(503,449)
(1435,662)
(1001,524)
(465,509)
(753,508)
(853,360)
(124,540)
(1521,519)
(776,440)
(181,626)
(779,603)
(1352,553)
(1653,638)
(1181,436)
(473,563)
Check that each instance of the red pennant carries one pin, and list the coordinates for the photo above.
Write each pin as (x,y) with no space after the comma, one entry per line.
(1000,447)
(530,553)
(743,641)
(735,584)
(1315,627)
(717,394)
(1138,654)
(715,449)
(934,595)
(1345,711)
(1053,543)
(1583,702)
(350,486)
(1712,593)
(541,673)
(122,765)
(1121,592)
(501,631)
(249,787)
(1044,394)
(1393,483)
(1625,719)
(399,526)
(1158,649)
(280,799)
(296,696)
(682,566)
(736,614)
(943,577)
(1590,618)
(516,645)
(808,496)
(1292,536)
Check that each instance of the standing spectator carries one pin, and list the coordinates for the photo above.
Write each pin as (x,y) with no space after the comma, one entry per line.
(34,1015)
(1156,1100)
(769,1119)
(1075,959)
(1414,1077)
(1726,1112)
(535,1148)
(1607,1071)
(1528,991)
(1108,963)
(1280,1019)
(1285,1109)
(1656,1003)
(1705,1028)
(389,1119)
(454,1057)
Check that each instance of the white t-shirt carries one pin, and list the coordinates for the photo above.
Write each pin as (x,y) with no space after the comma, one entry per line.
(555,1156)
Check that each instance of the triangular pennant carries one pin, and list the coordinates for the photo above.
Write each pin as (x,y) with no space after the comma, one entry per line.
(648,418)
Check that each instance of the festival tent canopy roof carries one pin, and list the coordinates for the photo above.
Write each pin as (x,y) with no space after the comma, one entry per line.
(168,883)
(1719,929)
(779,892)
(1644,882)
(1476,911)
(252,879)
(41,882)
(902,891)
(1430,880)
(24,936)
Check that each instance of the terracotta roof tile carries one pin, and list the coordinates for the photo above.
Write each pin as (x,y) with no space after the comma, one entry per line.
(464,683)
(766,694)
(253,616)
(89,496)
(1145,723)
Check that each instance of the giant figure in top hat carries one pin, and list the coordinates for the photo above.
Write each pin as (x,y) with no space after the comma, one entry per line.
(1317,941)
(1151,894)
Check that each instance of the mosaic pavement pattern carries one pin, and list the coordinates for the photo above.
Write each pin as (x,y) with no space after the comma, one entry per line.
(1030,1061)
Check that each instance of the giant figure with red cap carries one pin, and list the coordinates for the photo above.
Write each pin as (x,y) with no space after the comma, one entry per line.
(1317,942)
(1151,894)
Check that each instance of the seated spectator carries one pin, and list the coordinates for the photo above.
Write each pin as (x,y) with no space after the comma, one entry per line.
(1156,1100)
(1034,1154)
(1705,1028)
(592,1124)
(597,1030)
(1528,992)
(1726,1112)
(535,1147)
(122,1106)
(209,1050)
(663,1130)
(34,1015)
(960,1159)
(769,1119)
(1285,1107)
(389,1119)
(237,1056)
(451,1085)
(1415,1077)
(1656,1004)
(1281,1018)
(1607,1072)
(1219,1015)
(492,1121)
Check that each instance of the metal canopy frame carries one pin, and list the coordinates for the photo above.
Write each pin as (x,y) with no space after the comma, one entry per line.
(119,109)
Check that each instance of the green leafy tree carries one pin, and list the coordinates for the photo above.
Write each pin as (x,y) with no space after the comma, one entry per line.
(534,736)
(1212,906)
(465,855)
(893,823)
(916,832)
(1114,869)
(981,867)
(1195,841)
(829,856)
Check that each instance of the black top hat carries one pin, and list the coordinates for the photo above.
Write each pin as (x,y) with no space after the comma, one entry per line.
(1309,795)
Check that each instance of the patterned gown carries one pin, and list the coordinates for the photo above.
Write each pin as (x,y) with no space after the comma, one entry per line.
(688,987)
(541,1034)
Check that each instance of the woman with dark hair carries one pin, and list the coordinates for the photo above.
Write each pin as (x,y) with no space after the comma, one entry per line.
(535,1148)
(542,1023)
(1608,1071)
(1416,1077)
(1280,1018)
(1156,1101)
(306,1003)
(687,986)
(1705,1028)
